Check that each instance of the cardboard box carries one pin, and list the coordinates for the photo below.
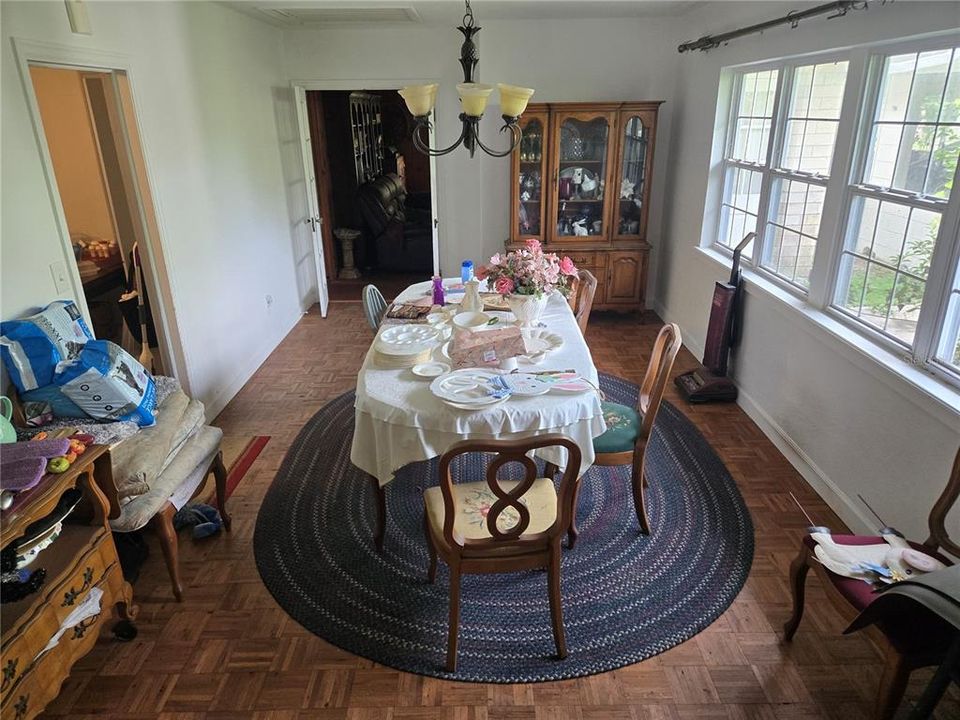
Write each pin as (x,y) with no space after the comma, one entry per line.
(485,348)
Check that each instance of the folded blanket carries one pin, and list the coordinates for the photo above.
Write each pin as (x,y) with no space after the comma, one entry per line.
(140,458)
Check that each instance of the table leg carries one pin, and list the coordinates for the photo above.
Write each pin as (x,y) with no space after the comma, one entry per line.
(380,500)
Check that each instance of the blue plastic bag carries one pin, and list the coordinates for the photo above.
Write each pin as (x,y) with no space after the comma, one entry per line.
(32,347)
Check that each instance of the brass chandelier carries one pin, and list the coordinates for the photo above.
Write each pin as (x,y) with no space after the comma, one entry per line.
(420,100)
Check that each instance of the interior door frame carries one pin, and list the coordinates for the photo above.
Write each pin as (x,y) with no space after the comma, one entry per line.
(393,84)
(70,57)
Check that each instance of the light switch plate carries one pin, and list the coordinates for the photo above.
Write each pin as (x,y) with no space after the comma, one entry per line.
(61,279)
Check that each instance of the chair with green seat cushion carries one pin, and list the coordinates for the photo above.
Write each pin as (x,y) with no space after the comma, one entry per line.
(628,429)
(623,426)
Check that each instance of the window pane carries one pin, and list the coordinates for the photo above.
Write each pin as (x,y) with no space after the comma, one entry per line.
(740,207)
(886,261)
(754,116)
(948,348)
(915,141)
(811,125)
(792,233)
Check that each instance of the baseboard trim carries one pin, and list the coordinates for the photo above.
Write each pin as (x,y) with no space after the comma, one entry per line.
(214,407)
(818,480)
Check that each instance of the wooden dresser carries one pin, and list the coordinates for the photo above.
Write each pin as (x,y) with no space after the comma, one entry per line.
(81,558)
(581,184)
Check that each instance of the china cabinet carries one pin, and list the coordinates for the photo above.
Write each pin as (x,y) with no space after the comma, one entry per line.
(581,185)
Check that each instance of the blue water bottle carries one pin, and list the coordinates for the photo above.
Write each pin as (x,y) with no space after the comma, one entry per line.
(466,271)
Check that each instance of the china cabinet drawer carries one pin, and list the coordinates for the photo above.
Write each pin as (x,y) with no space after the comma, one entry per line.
(586,260)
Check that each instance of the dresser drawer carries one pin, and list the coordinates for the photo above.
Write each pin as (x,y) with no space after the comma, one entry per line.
(41,679)
(16,660)
(88,572)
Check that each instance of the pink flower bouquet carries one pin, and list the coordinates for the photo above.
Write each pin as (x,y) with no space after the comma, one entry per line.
(529,271)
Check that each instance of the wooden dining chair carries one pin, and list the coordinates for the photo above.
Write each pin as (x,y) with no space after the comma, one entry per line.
(907,648)
(374,306)
(498,526)
(628,428)
(581,298)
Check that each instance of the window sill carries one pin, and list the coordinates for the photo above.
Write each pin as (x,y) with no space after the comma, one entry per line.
(914,384)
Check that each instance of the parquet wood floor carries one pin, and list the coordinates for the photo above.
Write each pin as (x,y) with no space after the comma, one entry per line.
(228,652)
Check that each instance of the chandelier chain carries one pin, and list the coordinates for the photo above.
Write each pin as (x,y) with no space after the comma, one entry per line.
(468,20)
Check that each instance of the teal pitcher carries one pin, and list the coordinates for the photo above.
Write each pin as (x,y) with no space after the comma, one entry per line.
(7,433)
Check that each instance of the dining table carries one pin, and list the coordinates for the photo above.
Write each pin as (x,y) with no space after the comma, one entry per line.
(399,420)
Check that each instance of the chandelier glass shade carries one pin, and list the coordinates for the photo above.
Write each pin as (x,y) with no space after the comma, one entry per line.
(421,99)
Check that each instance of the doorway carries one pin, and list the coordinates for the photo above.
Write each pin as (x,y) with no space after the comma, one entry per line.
(87,122)
(371,179)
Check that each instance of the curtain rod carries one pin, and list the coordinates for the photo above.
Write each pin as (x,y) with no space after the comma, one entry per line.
(839,8)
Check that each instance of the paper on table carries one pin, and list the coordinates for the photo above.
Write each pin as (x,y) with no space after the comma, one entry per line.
(90,607)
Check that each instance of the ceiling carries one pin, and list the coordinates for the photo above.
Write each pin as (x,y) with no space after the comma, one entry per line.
(358,13)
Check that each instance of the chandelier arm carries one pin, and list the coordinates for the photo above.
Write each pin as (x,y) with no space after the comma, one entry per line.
(425,148)
(515,131)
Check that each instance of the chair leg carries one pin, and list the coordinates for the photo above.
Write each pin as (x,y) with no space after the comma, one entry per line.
(556,607)
(163,523)
(573,531)
(798,582)
(380,527)
(453,628)
(639,481)
(220,477)
(893,683)
(431,548)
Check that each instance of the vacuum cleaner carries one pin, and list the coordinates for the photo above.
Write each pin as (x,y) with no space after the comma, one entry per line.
(709,382)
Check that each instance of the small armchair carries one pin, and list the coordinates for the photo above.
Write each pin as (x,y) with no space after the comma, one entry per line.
(521,531)
(918,643)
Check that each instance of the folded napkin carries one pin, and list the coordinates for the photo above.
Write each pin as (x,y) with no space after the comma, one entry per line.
(11,452)
(19,475)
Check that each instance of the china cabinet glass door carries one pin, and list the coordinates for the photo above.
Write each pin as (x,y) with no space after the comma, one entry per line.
(630,211)
(582,145)
(530,170)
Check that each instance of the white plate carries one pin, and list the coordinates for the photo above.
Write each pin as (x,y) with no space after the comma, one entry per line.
(471,320)
(465,387)
(406,339)
(526,384)
(430,369)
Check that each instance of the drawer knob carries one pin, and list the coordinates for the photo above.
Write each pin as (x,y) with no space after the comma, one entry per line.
(81,629)
(70,597)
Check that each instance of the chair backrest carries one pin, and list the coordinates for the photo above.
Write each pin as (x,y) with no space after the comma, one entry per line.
(583,292)
(938,515)
(374,306)
(665,349)
(510,451)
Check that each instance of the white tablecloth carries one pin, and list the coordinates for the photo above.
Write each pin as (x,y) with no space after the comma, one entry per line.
(399,421)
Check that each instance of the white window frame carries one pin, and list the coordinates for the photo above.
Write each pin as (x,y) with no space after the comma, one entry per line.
(864,70)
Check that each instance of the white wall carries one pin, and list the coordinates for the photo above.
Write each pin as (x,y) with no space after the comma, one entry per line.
(849,425)
(570,60)
(210,91)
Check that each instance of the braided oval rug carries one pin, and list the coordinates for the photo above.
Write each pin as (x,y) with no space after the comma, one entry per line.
(626,596)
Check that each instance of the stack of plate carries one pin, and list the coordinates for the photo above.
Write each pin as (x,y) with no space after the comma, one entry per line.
(402,346)
(467,389)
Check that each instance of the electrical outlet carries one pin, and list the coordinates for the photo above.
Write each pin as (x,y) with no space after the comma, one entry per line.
(61,280)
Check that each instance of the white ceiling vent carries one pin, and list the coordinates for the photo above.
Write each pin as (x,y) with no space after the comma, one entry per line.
(343,15)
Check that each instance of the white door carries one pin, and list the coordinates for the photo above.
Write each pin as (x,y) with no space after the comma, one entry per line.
(312,221)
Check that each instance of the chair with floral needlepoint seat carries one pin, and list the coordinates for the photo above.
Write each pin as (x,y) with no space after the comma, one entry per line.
(628,428)
(498,526)
(581,297)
